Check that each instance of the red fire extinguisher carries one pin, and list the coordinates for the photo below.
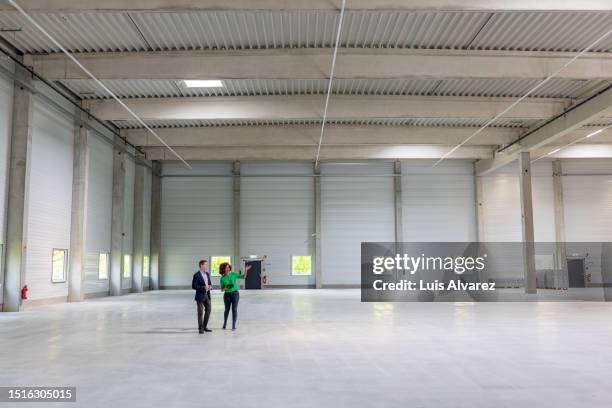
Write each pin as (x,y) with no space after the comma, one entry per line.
(264,280)
(24,293)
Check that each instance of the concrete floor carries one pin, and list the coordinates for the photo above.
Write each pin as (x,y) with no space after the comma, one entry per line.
(313,348)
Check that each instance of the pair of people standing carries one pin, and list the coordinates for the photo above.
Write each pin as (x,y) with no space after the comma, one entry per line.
(202,284)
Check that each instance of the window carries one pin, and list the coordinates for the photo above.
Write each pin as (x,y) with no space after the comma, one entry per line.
(145,266)
(216,261)
(103,267)
(301,265)
(59,265)
(127,266)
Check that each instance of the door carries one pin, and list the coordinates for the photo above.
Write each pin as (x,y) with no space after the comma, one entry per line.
(253,279)
(575,271)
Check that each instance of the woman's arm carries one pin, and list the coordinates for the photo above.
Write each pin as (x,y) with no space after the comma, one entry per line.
(246,272)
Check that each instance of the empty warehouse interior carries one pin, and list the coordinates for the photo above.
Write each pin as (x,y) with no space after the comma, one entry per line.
(414,197)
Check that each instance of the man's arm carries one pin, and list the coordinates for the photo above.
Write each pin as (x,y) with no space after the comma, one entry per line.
(194,282)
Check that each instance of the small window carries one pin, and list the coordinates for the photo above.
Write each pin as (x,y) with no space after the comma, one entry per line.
(216,261)
(103,267)
(127,266)
(59,265)
(145,266)
(301,265)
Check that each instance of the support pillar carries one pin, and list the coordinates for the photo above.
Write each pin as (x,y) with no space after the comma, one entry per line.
(18,180)
(139,222)
(236,181)
(155,226)
(397,182)
(561,280)
(527,223)
(479,197)
(317,228)
(78,218)
(117,223)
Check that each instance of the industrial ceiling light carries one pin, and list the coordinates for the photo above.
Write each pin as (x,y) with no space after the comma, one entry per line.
(554,151)
(203,83)
(594,133)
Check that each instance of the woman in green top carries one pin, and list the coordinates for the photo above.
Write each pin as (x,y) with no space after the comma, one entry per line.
(230,287)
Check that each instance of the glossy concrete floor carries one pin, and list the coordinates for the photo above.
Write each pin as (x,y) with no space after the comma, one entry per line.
(309,348)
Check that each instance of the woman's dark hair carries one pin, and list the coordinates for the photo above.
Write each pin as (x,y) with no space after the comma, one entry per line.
(223,266)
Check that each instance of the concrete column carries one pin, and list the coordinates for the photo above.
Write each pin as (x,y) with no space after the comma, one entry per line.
(155,226)
(18,180)
(138,250)
(117,223)
(561,280)
(479,197)
(527,223)
(236,172)
(317,228)
(397,182)
(79,215)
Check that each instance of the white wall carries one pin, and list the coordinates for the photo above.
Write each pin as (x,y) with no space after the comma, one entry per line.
(6,112)
(197,219)
(502,205)
(99,211)
(588,200)
(277,217)
(49,199)
(353,210)
(438,203)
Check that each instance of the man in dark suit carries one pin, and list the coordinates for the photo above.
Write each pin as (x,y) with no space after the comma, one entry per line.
(202,284)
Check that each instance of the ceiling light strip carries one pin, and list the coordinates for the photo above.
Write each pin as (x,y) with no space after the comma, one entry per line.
(329,85)
(558,149)
(532,90)
(108,91)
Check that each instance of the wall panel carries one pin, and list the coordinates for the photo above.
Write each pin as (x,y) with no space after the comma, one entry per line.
(438,203)
(49,199)
(277,217)
(357,205)
(197,219)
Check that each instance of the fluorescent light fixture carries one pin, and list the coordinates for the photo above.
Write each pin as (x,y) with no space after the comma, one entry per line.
(203,83)
(554,151)
(594,133)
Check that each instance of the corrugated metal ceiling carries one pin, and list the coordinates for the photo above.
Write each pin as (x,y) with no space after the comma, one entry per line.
(102,31)
(556,88)
(433,122)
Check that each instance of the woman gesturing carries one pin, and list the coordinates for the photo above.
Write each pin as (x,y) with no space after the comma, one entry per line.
(230,287)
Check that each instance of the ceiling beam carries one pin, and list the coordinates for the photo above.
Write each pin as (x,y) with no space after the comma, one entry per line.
(311,106)
(309,136)
(278,5)
(315,64)
(328,153)
(572,119)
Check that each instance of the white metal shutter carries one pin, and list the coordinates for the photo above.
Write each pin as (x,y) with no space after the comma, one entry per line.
(587,193)
(197,219)
(128,219)
(99,211)
(438,203)
(49,198)
(502,204)
(354,210)
(6,112)
(277,217)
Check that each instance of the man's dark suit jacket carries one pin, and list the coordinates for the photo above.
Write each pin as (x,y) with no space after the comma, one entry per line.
(201,294)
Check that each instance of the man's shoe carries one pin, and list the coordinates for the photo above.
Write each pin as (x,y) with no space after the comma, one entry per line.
(201,331)
(207,330)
